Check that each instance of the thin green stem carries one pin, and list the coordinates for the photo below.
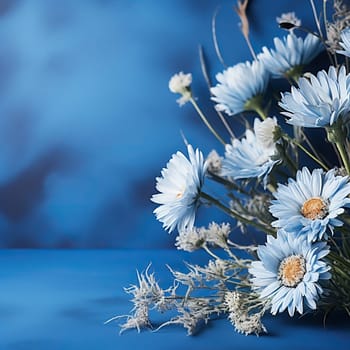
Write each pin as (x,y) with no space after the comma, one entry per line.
(332,240)
(318,161)
(229,184)
(344,156)
(290,163)
(260,112)
(207,79)
(236,215)
(205,120)
(222,118)
(337,135)
(311,146)
(341,273)
(325,22)
(254,104)
(271,188)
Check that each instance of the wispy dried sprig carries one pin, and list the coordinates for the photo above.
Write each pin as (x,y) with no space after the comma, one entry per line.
(196,295)
(241,10)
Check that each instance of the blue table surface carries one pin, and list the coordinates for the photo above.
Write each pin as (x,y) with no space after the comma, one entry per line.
(59,299)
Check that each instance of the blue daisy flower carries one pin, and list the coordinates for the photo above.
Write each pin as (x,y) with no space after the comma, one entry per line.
(289,272)
(290,55)
(251,156)
(345,42)
(239,86)
(320,100)
(179,187)
(311,203)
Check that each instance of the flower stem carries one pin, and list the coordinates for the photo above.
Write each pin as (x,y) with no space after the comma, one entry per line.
(247,39)
(236,215)
(343,155)
(254,104)
(260,112)
(228,184)
(318,161)
(210,252)
(205,120)
(336,134)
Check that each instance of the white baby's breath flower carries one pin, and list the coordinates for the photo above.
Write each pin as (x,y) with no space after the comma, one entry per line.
(180,83)
(214,162)
(217,269)
(238,314)
(190,239)
(195,238)
(250,325)
(218,234)
(289,18)
(233,301)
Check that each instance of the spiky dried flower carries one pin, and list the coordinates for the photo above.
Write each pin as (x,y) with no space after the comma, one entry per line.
(341,20)
(245,322)
(190,240)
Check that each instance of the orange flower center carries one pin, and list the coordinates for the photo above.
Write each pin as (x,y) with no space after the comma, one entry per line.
(292,270)
(314,208)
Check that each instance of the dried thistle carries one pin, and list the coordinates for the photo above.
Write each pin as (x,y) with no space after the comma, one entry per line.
(341,20)
(243,320)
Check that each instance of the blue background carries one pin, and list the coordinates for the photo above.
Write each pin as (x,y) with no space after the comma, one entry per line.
(86,117)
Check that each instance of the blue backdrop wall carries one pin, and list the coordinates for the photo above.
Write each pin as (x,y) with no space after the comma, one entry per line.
(86,117)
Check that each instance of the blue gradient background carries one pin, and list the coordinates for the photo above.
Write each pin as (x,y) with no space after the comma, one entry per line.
(87,120)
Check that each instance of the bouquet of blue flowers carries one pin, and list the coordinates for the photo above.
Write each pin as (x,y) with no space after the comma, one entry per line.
(276,181)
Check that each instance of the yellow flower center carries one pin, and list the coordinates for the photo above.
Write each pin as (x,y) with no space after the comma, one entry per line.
(292,270)
(314,208)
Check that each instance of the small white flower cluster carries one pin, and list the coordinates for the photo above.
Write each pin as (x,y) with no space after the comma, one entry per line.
(214,162)
(196,238)
(190,240)
(288,20)
(244,321)
(180,83)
